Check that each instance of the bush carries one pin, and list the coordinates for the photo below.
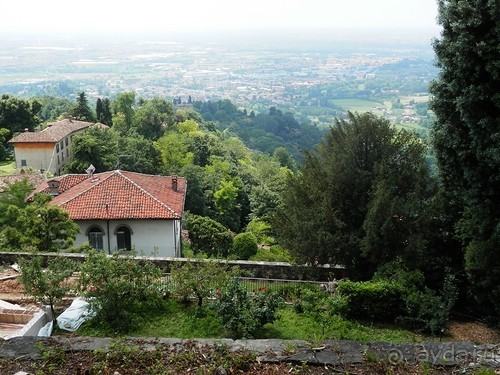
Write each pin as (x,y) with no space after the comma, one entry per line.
(373,300)
(120,288)
(209,236)
(244,246)
(199,279)
(427,311)
(274,254)
(242,313)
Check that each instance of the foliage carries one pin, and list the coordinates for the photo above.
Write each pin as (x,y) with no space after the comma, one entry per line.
(123,111)
(242,313)
(466,135)
(244,246)
(37,227)
(81,111)
(265,132)
(151,116)
(261,230)
(106,150)
(103,111)
(14,194)
(52,109)
(95,146)
(201,279)
(275,254)
(365,178)
(373,300)
(48,285)
(119,288)
(16,115)
(320,305)
(3,139)
(425,309)
(209,236)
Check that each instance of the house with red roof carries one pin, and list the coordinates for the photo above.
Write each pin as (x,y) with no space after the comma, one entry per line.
(119,210)
(48,150)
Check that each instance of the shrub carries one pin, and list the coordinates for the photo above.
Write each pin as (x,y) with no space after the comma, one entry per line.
(374,300)
(274,254)
(428,311)
(209,236)
(119,288)
(244,246)
(242,313)
(200,279)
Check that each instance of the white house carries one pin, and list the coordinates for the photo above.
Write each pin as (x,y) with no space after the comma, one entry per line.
(119,210)
(49,149)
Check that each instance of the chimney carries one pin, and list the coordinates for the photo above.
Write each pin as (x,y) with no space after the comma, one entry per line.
(174,183)
(54,187)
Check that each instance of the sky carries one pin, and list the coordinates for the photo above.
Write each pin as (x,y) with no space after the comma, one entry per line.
(104,16)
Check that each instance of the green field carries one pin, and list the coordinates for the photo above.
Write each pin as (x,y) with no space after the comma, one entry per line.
(359,105)
(7,167)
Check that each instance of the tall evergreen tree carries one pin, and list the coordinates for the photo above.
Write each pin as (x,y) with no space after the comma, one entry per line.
(103,111)
(81,111)
(357,198)
(466,134)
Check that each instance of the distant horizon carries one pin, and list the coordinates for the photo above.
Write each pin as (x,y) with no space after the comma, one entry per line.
(335,33)
(148,16)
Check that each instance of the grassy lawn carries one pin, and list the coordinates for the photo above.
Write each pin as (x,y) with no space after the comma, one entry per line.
(7,167)
(181,321)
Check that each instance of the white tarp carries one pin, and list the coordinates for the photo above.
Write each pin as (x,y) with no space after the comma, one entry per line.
(46,330)
(75,315)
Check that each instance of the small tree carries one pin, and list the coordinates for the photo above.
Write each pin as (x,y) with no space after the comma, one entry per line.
(244,246)
(49,285)
(120,287)
(201,278)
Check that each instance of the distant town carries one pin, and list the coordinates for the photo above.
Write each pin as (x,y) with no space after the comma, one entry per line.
(316,76)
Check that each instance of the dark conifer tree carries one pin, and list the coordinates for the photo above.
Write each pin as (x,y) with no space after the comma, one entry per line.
(466,135)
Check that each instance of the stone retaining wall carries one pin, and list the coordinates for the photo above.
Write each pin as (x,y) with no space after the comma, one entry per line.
(269,270)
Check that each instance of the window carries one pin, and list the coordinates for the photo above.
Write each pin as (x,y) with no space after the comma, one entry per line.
(62,145)
(57,147)
(66,141)
(67,152)
(96,238)
(123,238)
(23,163)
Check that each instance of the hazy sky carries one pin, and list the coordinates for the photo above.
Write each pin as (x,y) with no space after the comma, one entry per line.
(63,16)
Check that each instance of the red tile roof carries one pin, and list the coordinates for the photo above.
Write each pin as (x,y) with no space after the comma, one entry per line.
(119,195)
(55,132)
(34,178)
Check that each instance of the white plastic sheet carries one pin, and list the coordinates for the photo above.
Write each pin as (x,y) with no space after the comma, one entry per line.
(75,315)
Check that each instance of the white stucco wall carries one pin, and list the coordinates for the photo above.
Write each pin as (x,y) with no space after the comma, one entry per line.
(149,237)
(36,158)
